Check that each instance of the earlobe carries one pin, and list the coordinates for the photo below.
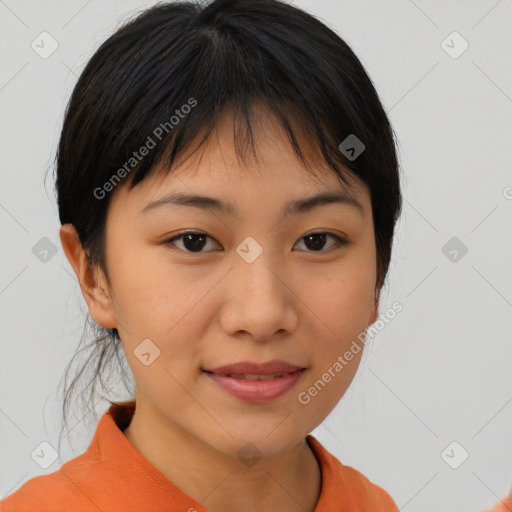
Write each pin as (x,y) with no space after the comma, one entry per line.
(93,289)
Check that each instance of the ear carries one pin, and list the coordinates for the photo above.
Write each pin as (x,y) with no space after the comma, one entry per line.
(93,286)
(375,310)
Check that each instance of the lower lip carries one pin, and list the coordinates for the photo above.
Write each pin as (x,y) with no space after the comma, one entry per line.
(258,391)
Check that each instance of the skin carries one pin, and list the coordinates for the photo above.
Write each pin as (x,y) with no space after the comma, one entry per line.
(211,308)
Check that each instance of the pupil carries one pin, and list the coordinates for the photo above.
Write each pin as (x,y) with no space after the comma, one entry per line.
(317,236)
(193,246)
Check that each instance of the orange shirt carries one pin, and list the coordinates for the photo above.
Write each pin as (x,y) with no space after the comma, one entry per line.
(112,476)
(505,505)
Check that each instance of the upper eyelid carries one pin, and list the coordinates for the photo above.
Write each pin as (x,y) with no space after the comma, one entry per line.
(183,233)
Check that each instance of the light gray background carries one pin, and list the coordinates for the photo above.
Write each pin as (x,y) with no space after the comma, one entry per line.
(439,372)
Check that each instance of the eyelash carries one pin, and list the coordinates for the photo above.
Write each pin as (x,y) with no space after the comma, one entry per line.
(340,241)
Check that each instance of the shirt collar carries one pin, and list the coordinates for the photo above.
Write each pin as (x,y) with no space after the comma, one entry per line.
(112,448)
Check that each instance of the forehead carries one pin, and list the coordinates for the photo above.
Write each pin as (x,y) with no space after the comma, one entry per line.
(219,168)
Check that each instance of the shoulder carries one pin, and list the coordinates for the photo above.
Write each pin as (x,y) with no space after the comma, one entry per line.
(374,495)
(82,484)
(345,484)
(54,492)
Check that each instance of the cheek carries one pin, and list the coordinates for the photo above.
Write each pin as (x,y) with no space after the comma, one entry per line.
(158,303)
(342,306)
(343,299)
(151,294)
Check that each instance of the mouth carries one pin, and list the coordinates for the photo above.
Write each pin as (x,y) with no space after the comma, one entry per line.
(255,388)
(250,368)
(250,376)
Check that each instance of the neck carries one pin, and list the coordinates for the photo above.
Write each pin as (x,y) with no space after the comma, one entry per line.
(289,481)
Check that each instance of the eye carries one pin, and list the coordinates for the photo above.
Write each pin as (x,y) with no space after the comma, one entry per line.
(195,241)
(316,241)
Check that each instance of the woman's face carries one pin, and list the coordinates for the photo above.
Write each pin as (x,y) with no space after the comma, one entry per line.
(254,289)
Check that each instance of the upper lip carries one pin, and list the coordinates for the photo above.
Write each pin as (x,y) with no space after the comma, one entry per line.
(249,367)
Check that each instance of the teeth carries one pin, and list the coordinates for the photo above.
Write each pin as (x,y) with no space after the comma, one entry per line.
(268,377)
(249,376)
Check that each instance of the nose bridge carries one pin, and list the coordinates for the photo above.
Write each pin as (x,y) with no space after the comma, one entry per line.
(260,302)
(257,269)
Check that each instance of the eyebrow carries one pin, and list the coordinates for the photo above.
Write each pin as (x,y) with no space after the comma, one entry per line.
(215,205)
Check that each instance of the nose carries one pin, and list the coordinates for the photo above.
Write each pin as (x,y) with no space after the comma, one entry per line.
(259,301)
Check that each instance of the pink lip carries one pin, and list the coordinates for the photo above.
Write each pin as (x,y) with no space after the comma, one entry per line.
(250,367)
(257,391)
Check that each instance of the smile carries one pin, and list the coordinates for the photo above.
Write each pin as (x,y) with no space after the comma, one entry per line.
(256,388)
